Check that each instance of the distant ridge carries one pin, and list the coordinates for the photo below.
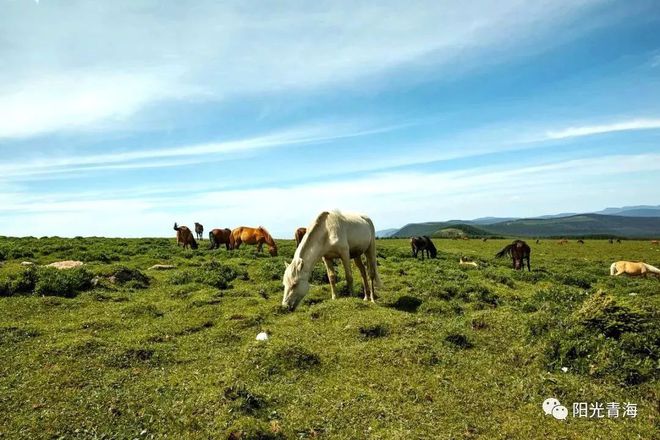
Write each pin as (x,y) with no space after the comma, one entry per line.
(641,221)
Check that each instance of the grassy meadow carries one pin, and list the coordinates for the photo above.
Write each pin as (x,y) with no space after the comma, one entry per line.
(115,350)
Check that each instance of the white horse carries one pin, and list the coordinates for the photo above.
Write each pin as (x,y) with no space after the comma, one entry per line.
(333,235)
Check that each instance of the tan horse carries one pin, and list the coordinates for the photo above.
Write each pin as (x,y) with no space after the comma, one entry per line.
(654,242)
(463,262)
(633,269)
(299,234)
(220,236)
(184,237)
(258,236)
(562,241)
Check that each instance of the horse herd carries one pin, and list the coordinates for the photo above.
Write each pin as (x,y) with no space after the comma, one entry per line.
(346,236)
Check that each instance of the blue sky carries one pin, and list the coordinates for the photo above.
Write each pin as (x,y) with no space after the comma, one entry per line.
(119,118)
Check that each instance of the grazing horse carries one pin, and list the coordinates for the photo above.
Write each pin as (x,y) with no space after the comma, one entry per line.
(298,235)
(485,239)
(618,240)
(333,235)
(562,241)
(538,241)
(423,244)
(519,251)
(258,236)
(220,236)
(184,237)
(580,241)
(654,242)
(633,269)
(611,241)
(199,230)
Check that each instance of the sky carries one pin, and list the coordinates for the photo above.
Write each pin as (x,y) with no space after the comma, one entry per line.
(120,118)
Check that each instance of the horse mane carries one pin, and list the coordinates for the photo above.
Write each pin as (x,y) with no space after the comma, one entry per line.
(268,237)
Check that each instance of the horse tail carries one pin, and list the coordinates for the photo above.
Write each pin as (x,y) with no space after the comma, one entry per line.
(505,250)
(232,240)
(371,257)
(652,269)
(212,240)
(193,243)
(176,228)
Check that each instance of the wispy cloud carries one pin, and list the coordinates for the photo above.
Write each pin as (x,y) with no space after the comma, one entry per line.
(156,51)
(191,154)
(588,130)
(392,198)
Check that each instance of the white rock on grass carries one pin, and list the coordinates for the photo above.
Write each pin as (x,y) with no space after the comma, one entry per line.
(263,336)
(27,263)
(162,267)
(67,264)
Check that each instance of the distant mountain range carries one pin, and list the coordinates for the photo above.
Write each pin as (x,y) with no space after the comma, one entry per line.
(628,221)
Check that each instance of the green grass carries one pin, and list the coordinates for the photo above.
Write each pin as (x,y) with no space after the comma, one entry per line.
(446,352)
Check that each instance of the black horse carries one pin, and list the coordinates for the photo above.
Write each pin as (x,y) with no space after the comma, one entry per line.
(423,244)
(519,251)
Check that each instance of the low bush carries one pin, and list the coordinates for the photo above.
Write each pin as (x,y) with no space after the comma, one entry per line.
(67,283)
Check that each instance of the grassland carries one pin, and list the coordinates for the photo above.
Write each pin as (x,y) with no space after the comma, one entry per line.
(446,353)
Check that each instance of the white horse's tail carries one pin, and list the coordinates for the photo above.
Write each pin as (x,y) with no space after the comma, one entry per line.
(371,257)
(613,269)
(652,269)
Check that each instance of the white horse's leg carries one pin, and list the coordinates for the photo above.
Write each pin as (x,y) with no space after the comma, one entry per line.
(332,275)
(363,272)
(346,261)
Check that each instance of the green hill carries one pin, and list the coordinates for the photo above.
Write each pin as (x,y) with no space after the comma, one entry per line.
(581,225)
(575,225)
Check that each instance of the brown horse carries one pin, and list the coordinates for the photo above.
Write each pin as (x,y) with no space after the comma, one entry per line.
(519,251)
(184,237)
(562,241)
(258,236)
(220,236)
(580,241)
(423,244)
(298,235)
(199,230)
(654,242)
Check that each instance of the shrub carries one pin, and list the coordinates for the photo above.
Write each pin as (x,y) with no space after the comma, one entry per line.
(213,274)
(17,280)
(459,340)
(67,283)
(123,275)
(375,331)
(271,270)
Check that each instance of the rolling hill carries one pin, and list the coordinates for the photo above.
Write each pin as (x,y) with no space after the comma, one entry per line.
(574,225)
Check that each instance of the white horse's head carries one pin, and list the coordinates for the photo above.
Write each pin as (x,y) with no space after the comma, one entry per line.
(296,286)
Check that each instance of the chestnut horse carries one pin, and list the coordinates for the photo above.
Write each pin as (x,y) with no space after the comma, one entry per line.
(218,237)
(298,235)
(184,237)
(258,236)
(199,230)
(519,251)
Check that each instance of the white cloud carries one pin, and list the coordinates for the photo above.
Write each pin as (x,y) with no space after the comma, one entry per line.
(392,199)
(589,130)
(72,65)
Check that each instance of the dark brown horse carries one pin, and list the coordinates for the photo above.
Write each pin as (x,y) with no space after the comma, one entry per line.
(199,230)
(258,236)
(423,244)
(298,235)
(220,236)
(184,237)
(580,241)
(519,252)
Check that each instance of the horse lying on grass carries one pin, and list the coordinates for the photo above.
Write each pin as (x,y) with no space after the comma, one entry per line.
(633,269)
